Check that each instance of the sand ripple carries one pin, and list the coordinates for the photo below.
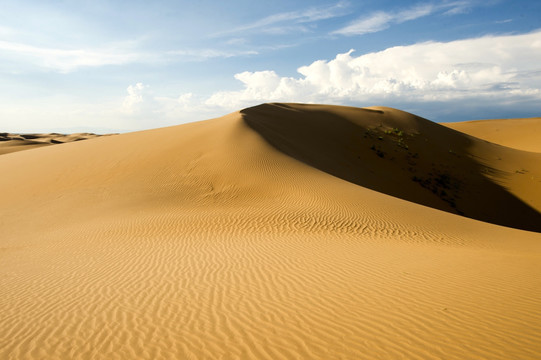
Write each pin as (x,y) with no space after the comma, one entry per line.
(205,242)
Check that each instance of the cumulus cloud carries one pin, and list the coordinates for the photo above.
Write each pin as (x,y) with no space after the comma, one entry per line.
(143,108)
(490,68)
(134,98)
(492,75)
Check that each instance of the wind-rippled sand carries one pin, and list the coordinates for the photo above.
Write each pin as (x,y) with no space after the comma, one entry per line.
(272,233)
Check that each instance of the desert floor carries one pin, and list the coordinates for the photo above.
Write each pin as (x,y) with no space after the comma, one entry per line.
(280,231)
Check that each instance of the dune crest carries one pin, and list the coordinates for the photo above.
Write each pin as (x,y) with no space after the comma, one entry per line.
(259,235)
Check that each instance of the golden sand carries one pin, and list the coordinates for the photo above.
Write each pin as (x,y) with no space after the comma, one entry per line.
(520,134)
(280,231)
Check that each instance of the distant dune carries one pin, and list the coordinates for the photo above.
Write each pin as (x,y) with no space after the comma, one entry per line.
(522,134)
(279,231)
(16,142)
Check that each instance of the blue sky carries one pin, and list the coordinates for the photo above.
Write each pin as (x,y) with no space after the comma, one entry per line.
(127,65)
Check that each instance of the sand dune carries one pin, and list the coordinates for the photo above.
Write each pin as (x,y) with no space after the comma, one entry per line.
(522,134)
(409,157)
(280,231)
(16,142)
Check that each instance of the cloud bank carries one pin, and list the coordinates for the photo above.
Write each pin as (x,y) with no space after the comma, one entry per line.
(487,69)
(487,77)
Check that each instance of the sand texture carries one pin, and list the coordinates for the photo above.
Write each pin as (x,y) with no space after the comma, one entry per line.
(523,134)
(16,142)
(282,231)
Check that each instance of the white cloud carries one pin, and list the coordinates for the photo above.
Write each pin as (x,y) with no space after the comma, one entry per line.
(236,41)
(259,86)
(134,98)
(488,68)
(415,12)
(377,21)
(460,7)
(64,60)
(205,54)
(185,99)
(490,73)
(287,20)
(17,57)
(381,20)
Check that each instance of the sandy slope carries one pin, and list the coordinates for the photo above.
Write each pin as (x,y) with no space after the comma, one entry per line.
(258,235)
(409,157)
(16,142)
(521,134)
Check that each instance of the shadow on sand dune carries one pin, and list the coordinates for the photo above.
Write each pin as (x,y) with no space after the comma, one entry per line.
(396,153)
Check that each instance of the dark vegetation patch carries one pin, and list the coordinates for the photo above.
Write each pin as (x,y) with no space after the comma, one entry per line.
(442,185)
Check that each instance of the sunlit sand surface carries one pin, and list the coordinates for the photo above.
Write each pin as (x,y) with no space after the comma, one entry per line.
(280,231)
(521,134)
